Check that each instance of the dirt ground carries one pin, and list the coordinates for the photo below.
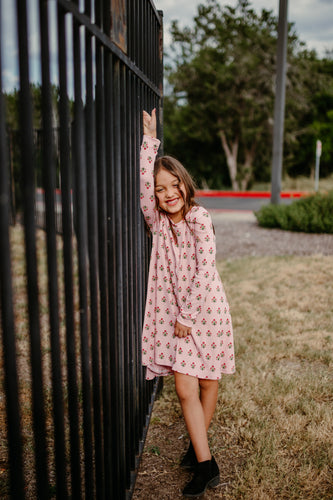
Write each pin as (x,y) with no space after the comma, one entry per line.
(159,476)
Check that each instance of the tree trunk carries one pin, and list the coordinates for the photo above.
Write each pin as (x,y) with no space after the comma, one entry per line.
(231,156)
(247,169)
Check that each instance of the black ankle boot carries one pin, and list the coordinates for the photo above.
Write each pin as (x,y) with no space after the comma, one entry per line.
(189,460)
(207,475)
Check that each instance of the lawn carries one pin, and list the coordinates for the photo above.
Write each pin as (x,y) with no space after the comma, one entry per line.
(23,358)
(272,433)
(300,183)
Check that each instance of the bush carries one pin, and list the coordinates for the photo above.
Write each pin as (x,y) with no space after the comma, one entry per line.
(313,214)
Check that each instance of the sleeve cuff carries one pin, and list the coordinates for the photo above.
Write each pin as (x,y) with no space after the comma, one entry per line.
(186,322)
(151,139)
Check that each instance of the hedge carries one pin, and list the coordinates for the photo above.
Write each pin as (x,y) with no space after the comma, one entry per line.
(311,214)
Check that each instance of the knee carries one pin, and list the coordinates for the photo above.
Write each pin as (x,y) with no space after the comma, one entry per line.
(186,390)
(182,391)
(204,384)
(208,385)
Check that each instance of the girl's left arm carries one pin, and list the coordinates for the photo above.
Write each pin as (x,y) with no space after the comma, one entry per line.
(205,251)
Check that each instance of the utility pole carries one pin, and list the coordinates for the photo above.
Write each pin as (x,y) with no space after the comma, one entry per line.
(279,102)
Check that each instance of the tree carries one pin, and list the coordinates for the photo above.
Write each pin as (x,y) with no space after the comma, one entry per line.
(224,71)
(314,121)
(227,70)
(200,152)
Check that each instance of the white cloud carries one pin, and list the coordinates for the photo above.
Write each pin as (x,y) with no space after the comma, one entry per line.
(312,18)
(9,80)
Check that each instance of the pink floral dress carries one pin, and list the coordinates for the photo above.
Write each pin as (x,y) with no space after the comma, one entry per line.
(183,285)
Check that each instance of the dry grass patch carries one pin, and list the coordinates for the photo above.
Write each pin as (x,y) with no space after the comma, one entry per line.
(23,357)
(273,430)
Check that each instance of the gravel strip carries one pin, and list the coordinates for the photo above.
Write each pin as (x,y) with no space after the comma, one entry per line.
(238,235)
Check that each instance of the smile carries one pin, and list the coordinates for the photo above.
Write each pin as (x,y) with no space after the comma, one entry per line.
(172,202)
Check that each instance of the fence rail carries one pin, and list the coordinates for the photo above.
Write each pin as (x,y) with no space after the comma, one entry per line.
(77,405)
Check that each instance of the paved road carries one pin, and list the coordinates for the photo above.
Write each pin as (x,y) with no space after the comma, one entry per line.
(209,202)
(226,203)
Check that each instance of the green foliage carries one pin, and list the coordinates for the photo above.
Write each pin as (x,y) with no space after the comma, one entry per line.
(222,78)
(313,214)
(226,72)
(154,450)
(309,116)
(12,103)
(200,154)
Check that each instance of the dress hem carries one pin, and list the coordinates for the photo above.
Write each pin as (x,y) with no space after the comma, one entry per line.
(169,371)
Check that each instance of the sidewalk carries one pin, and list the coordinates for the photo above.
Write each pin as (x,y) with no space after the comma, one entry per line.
(221,214)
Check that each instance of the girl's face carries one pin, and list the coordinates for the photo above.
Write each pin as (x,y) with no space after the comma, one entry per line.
(167,191)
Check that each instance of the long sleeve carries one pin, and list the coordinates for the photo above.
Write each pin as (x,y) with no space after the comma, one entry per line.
(205,273)
(148,154)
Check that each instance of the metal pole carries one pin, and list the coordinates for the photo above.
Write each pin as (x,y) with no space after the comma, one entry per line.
(318,155)
(279,102)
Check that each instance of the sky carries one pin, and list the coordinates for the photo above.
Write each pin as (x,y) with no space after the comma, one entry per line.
(313,18)
(313,21)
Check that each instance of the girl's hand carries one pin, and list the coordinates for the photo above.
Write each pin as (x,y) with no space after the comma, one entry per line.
(182,330)
(149,123)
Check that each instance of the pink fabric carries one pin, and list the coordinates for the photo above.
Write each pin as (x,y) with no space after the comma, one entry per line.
(183,285)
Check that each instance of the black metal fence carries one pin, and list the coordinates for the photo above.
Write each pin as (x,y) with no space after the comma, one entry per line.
(74,405)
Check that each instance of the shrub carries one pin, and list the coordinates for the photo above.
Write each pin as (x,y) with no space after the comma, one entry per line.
(313,214)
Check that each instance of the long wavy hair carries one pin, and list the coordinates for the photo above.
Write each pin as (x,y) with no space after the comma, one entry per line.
(174,167)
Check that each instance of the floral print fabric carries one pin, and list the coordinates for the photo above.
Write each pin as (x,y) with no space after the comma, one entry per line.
(183,285)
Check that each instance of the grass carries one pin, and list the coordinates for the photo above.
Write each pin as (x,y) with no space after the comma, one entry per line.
(300,183)
(23,356)
(285,376)
(272,433)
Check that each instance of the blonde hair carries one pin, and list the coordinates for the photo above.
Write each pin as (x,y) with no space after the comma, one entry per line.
(174,167)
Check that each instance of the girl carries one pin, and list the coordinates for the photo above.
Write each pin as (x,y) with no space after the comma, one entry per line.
(187,328)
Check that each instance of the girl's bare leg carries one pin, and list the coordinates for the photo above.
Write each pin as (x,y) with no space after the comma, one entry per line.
(187,389)
(208,398)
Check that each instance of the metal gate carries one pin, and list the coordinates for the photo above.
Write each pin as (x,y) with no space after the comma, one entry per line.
(74,405)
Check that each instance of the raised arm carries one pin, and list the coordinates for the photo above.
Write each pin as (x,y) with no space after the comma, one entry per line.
(149,148)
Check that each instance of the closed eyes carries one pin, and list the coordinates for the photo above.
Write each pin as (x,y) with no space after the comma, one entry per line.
(159,190)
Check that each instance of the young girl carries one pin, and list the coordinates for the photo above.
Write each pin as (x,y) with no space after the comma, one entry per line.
(187,328)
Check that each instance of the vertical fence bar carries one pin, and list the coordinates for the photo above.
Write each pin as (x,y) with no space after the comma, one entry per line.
(103,262)
(7,317)
(140,264)
(140,30)
(82,238)
(28,189)
(118,286)
(112,237)
(137,284)
(131,297)
(67,224)
(49,174)
(125,230)
(151,45)
(93,260)
(159,78)
(111,255)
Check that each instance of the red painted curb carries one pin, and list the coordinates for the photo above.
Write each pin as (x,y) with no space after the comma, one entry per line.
(247,194)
